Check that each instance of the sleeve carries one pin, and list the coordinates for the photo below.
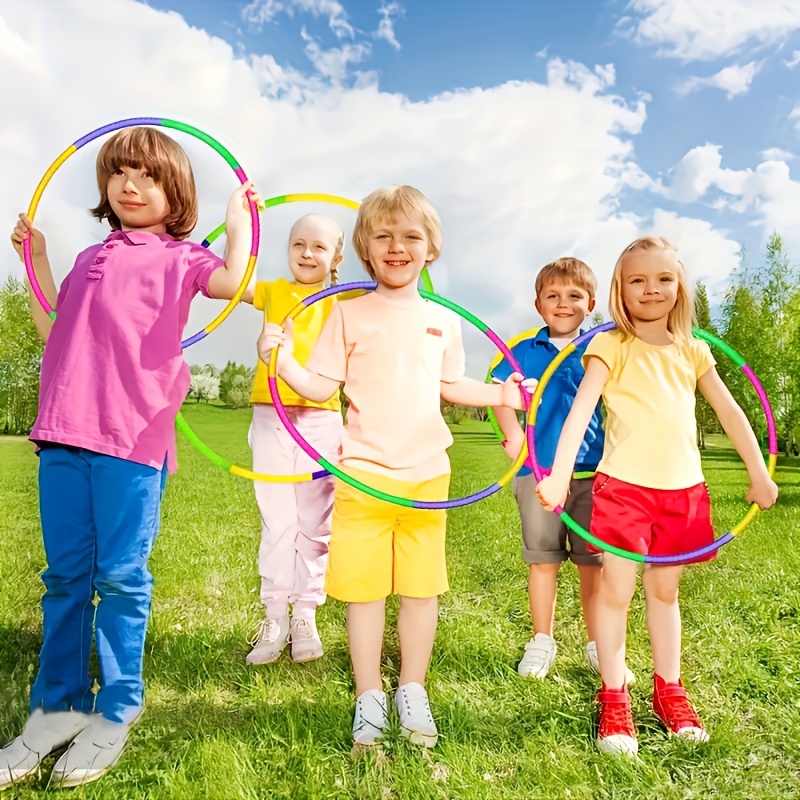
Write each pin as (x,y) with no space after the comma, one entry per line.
(703,358)
(329,356)
(261,294)
(201,264)
(603,346)
(503,371)
(454,359)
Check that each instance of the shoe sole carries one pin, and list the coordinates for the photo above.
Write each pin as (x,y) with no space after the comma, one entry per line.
(608,748)
(67,782)
(420,739)
(260,661)
(313,656)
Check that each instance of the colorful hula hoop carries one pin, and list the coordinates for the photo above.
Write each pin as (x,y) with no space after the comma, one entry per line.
(332,468)
(680,558)
(183,426)
(164,123)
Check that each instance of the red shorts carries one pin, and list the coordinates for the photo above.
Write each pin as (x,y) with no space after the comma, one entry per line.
(659,522)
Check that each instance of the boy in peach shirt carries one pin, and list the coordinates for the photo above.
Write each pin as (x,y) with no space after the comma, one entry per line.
(396,355)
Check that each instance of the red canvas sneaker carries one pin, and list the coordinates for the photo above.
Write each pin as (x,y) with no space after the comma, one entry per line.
(616,733)
(672,706)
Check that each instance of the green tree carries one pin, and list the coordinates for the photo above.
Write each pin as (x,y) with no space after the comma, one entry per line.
(20,360)
(235,381)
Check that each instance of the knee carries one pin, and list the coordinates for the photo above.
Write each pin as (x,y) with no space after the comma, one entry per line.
(419,604)
(128,581)
(666,594)
(614,594)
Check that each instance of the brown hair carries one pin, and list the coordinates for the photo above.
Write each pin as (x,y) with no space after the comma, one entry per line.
(567,270)
(165,160)
(387,203)
(681,317)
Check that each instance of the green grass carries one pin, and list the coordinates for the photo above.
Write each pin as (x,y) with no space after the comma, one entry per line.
(215,728)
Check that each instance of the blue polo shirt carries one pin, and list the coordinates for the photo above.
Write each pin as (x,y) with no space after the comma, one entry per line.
(534,356)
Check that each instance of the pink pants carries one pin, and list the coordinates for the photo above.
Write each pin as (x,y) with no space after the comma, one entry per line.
(295,517)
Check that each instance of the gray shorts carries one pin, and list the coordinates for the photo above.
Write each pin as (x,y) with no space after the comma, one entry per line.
(544,535)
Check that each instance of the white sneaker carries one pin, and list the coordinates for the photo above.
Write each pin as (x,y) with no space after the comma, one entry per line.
(270,639)
(369,722)
(540,653)
(304,636)
(416,720)
(42,734)
(92,753)
(594,663)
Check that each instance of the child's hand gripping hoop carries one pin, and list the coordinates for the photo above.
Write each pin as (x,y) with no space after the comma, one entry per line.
(680,558)
(129,123)
(332,468)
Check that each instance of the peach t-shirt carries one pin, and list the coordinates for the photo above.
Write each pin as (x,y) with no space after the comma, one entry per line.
(391,354)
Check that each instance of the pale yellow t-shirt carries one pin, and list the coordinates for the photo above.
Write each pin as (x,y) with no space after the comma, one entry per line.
(651,431)
(276,299)
(391,356)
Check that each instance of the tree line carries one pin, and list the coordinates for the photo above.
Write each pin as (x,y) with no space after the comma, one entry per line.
(759,316)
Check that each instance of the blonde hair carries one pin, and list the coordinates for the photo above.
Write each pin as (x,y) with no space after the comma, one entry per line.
(168,165)
(567,270)
(387,203)
(339,246)
(681,317)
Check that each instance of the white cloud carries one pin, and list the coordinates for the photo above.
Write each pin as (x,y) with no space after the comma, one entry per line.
(796,115)
(262,12)
(776,154)
(708,29)
(389,13)
(733,80)
(520,173)
(794,60)
(333,64)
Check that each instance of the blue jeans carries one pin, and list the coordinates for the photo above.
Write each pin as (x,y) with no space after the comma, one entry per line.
(100,517)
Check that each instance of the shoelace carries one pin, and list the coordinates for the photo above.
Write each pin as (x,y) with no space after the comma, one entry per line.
(419,698)
(678,710)
(301,629)
(268,631)
(364,721)
(615,714)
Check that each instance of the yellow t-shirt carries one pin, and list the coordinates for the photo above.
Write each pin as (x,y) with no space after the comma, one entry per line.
(391,356)
(651,430)
(276,299)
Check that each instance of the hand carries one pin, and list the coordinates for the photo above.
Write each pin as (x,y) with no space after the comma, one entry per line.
(552,492)
(513,444)
(763,492)
(511,390)
(22,230)
(237,215)
(273,336)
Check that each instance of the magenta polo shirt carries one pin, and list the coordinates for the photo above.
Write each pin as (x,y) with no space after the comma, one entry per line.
(113,376)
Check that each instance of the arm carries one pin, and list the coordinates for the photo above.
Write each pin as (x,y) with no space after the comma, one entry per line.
(41,266)
(553,489)
(512,430)
(763,489)
(306,383)
(225,281)
(469,392)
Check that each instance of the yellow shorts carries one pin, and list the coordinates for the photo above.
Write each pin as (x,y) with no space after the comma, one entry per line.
(378,548)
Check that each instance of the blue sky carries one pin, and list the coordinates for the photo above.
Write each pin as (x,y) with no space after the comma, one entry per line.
(538,129)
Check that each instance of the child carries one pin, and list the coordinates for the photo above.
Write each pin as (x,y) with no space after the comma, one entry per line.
(396,354)
(295,516)
(649,495)
(565,296)
(113,379)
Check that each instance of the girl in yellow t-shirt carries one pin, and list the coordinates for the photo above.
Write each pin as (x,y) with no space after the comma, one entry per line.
(649,494)
(295,517)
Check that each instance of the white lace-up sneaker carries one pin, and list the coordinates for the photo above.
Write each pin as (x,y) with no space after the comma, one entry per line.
(304,636)
(270,639)
(539,655)
(369,722)
(591,658)
(42,734)
(416,720)
(92,753)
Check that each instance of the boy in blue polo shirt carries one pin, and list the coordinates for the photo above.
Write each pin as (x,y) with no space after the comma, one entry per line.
(565,296)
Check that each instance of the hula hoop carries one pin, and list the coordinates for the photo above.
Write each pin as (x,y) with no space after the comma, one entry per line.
(180,422)
(332,468)
(164,123)
(680,558)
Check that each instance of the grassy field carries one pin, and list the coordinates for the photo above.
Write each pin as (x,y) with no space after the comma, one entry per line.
(215,728)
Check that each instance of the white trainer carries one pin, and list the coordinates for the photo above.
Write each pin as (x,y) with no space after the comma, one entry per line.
(92,753)
(370,720)
(539,655)
(42,734)
(416,720)
(304,636)
(270,639)
(594,663)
